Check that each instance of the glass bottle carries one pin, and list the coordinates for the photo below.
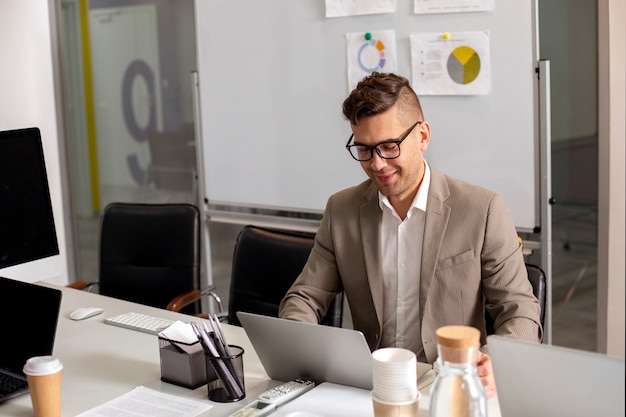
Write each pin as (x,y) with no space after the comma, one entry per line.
(457,390)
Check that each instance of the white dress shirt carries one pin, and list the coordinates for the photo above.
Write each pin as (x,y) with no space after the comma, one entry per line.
(401,253)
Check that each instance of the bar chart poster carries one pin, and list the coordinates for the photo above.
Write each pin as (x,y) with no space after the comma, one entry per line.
(451,63)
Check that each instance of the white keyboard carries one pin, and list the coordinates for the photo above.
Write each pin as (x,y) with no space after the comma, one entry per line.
(140,322)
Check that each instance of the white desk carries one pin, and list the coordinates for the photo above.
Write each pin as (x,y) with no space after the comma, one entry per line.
(102,362)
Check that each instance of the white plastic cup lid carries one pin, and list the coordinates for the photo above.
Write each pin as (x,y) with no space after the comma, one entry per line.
(391,355)
(42,365)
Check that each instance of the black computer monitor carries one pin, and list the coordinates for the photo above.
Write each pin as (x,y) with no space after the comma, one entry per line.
(27,231)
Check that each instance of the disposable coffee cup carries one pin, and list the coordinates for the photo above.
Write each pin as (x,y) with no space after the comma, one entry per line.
(396,409)
(44,383)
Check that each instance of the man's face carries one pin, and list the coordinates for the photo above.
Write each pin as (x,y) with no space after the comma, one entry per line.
(398,178)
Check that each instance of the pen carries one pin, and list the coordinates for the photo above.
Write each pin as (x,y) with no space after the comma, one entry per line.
(217,328)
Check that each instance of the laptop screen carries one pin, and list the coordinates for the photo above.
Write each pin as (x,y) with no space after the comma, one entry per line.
(26,220)
(28,320)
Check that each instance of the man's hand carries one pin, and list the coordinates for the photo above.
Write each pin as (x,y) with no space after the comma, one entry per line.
(484,370)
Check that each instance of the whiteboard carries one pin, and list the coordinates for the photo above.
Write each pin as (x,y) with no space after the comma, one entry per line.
(273,75)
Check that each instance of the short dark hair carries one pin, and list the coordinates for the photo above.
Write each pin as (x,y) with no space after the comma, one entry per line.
(378,92)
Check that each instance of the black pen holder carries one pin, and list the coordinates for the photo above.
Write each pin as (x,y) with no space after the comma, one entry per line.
(182,363)
(224,376)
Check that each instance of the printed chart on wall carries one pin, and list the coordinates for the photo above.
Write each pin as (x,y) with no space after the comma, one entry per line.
(451,6)
(451,63)
(369,52)
(339,8)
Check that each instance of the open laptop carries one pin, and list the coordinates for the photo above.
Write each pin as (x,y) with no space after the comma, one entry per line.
(289,349)
(544,380)
(28,328)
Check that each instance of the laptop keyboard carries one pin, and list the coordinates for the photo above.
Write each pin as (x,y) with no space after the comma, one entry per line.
(10,384)
(140,322)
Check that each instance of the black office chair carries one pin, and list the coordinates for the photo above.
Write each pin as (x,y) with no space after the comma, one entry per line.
(265,265)
(537,278)
(149,254)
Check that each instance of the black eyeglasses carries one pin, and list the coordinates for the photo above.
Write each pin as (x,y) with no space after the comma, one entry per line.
(389,149)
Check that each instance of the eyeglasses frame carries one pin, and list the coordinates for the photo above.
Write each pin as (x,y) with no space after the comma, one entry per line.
(373,148)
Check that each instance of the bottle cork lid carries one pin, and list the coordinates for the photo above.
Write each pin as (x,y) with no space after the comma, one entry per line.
(458,337)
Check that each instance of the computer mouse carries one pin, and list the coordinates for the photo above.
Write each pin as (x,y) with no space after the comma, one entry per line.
(85,312)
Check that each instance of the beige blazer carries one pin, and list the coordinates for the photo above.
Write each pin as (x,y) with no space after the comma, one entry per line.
(471,260)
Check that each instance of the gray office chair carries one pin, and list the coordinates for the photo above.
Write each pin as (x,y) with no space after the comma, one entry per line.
(537,278)
(150,254)
(265,264)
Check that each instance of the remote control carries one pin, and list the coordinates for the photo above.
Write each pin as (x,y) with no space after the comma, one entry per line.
(274,397)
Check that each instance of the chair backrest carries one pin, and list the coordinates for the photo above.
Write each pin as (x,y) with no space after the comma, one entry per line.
(537,278)
(265,265)
(149,253)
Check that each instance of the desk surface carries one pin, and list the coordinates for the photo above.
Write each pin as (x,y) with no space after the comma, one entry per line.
(102,362)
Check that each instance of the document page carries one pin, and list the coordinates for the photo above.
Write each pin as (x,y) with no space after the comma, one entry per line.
(145,402)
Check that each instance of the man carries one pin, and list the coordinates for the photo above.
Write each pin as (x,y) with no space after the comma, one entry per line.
(412,248)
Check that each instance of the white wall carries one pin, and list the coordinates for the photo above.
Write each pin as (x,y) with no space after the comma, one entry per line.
(27,99)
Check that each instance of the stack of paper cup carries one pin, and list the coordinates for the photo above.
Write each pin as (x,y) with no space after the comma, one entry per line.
(395,382)
(394,374)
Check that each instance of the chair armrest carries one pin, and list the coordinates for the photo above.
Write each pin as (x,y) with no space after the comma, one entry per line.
(180,301)
(186,298)
(82,285)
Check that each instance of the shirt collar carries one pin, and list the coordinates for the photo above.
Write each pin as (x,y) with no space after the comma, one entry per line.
(421,198)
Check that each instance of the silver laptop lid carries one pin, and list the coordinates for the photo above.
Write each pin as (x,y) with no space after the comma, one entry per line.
(543,380)
(289,349)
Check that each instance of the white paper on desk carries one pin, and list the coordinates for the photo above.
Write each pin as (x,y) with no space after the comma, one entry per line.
(180,332)
(330,400)
(145,402)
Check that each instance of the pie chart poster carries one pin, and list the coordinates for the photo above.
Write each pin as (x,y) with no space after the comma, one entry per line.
(369,52)
(451,63)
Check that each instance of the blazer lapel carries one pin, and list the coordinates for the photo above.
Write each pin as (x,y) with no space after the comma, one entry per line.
(370,215)
(437,215)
